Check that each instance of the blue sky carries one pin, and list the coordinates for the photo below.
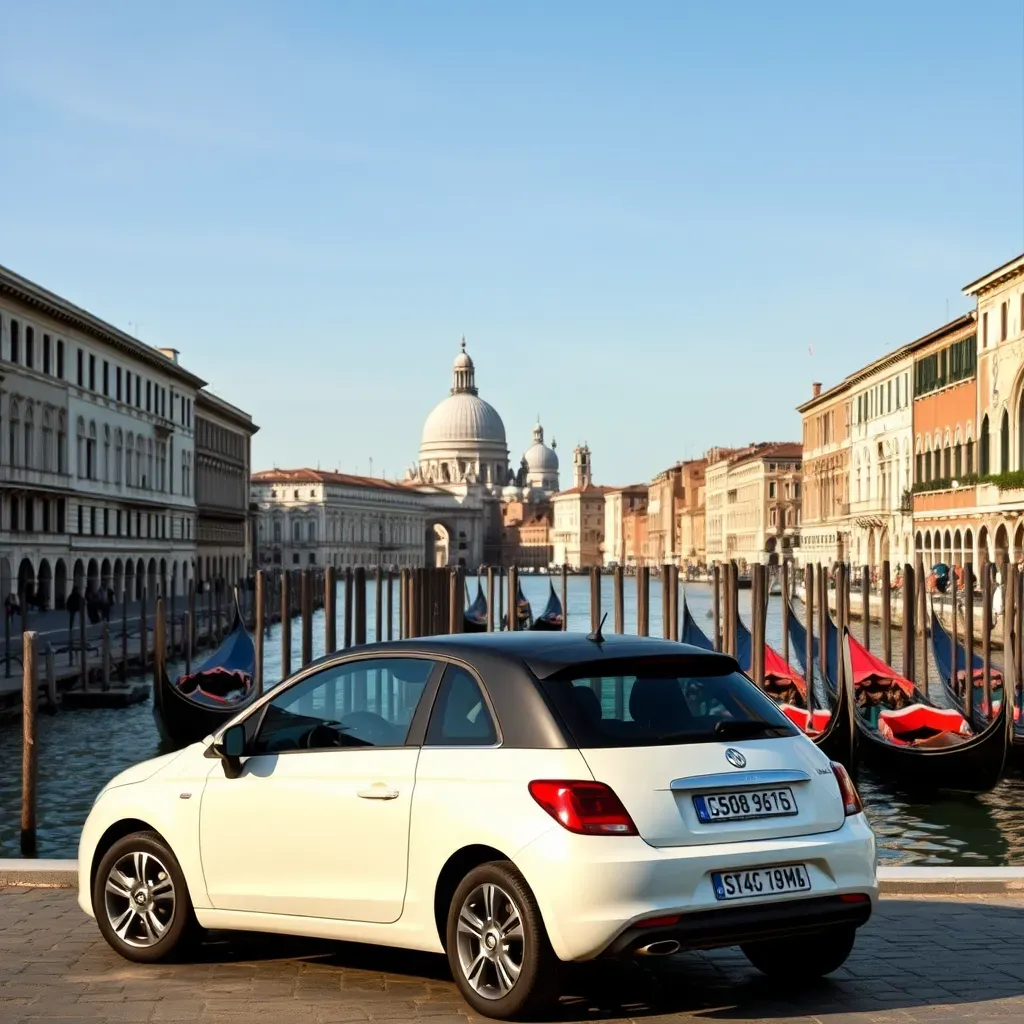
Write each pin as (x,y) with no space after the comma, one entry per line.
(641,216)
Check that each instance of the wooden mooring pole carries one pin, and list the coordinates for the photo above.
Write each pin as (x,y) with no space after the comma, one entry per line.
(968,642)
(359,611)
(348,605)
(643,605)
(908,622)
(513,591)
(618,600)
(666,602)
(378,606)
(865,603)
(565,597)
(29,751)
(595,598)
(757,614)
(81,647)
(159,647)
(922,620)
(330,610)
(716,604)
(490,599)
(809,639)
(886,613)
(986,635)
(306,602)
(286,624)
(391,605)
(259,607)
(785,610)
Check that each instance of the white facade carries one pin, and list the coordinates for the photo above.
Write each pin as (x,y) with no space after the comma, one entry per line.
(309,517)
(97,460)
(881,442)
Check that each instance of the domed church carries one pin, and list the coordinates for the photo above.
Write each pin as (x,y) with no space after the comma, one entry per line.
(464,473)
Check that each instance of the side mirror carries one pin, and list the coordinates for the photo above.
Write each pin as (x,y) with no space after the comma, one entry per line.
(230,748)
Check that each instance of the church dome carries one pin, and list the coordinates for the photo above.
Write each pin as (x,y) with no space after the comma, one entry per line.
(463,417)
(539,457)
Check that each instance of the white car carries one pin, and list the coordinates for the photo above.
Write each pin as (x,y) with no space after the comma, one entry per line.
(514,800)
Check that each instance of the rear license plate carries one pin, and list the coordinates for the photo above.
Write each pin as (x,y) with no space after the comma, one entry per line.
(739,885)
(755,803)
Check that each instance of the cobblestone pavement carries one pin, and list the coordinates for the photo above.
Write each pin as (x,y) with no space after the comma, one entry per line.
(925,959)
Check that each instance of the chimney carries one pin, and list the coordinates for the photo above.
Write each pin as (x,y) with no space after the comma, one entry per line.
(169,353)
(816,389)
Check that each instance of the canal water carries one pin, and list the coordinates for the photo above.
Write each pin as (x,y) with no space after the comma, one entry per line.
(80,750)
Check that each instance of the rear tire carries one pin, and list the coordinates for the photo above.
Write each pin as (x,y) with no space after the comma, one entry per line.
(821,954)
(141,901)
(498,949)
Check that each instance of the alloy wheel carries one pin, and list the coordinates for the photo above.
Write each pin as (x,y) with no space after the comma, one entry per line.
(490,941)
(139,899)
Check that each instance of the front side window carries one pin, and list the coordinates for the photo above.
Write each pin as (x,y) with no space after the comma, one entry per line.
(460,716)
(664,701)
(366,703)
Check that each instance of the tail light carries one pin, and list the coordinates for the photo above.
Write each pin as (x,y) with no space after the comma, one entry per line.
(587,808)
(847,790)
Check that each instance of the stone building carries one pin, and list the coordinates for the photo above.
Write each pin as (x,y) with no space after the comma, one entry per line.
(825,536)
(999,490)
(619,506)
(526,535)
(97,459)
(579,517)
(664,494)
(755,493)
(223,457)
(312,517)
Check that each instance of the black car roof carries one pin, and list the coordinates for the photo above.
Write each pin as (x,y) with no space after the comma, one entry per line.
(544,653)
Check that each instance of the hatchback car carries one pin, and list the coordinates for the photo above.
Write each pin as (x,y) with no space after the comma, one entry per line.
(513,800)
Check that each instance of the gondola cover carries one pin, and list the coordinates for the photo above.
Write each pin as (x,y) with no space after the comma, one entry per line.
(194,705)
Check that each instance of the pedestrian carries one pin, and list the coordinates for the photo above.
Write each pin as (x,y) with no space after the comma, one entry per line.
(73,605)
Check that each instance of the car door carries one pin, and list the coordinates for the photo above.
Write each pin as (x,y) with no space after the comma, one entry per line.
(317,822)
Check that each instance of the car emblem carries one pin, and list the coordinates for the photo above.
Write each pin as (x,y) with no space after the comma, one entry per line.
(735,758)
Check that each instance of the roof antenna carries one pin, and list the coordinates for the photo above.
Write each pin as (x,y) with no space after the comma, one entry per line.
(595,637)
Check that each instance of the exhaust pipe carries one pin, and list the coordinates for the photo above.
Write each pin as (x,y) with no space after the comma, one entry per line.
(666,947)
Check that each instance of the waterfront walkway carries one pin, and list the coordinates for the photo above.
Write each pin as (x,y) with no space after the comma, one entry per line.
(927,959)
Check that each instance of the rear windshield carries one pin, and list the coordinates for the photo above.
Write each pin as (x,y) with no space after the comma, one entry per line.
(664,704)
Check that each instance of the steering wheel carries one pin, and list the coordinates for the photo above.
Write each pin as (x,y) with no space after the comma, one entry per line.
(371,728)
(322,735)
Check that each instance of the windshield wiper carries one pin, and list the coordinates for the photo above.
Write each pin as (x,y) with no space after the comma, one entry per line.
(731,729)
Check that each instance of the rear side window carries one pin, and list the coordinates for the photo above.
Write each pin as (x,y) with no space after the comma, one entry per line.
(460,716)
(664,704)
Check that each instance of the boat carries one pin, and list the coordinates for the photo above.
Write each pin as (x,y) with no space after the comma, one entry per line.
(549,620)
(942,651)
(524,613)
(832,730)
(194,705)
(474,618)
(913,742)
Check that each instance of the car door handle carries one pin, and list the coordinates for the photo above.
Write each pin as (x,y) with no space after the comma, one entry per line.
(378,791)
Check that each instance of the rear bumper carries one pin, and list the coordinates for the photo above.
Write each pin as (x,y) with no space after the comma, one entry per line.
(592,890)
(730,926)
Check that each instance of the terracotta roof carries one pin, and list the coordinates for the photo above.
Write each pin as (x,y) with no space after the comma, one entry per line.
(318,476)
(593,489)
(768,450)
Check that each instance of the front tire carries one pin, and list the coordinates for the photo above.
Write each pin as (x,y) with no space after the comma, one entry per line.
(141,901)
(823,953)
(498,949)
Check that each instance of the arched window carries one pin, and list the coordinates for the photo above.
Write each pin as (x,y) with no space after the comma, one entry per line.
(277,531)
(983,461)
(958,460)
(947,461)
(1004,443)
(311,531)
(106,453)
(129,460)
(91,468)
(296,532)
(118,455)
(1020,421)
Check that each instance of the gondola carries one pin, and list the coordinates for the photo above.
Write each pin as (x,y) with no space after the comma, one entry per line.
(474,618)
(942,652)
(197,704)
(549,620)
(912,742)
(832,731)
(524,613)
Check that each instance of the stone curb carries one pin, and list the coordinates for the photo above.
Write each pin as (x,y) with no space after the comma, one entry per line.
(63,874)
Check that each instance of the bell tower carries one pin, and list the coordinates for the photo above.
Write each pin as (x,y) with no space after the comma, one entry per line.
(581,466)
